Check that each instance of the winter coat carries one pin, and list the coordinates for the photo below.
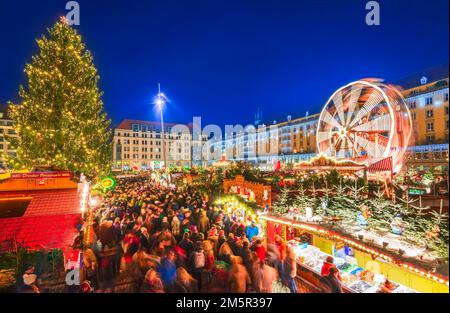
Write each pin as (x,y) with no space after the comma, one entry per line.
(261,252)
(251,231)
(263,278)
(203,224)
(198,259)
(325,271)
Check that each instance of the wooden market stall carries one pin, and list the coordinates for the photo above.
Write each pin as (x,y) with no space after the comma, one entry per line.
(251,191)
(314,242)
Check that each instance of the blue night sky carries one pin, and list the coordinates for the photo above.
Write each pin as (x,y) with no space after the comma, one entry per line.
(222,59)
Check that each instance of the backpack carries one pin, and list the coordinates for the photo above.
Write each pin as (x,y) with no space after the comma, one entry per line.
(198,259)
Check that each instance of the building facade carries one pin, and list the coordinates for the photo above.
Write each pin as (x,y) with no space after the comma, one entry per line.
(142,145)
(6,130)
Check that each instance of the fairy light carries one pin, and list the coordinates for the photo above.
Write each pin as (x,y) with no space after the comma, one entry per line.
(357,245)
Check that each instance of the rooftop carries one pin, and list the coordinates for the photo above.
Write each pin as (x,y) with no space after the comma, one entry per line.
(425,76)
(49,220)
(127,124)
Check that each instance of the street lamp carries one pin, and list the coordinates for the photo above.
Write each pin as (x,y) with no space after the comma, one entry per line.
(160,102)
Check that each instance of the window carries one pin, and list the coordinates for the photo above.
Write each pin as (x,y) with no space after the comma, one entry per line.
(446,110)
(413,115)
(412,105)
(428,100)
(430,139)
(135,127)
(446,124)
(446,97)
(429,113)
(430,126)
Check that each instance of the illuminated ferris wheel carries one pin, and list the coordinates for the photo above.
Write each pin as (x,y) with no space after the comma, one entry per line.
(365,121)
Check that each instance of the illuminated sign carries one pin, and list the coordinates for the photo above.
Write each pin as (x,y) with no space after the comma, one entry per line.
(416,191)
(39,175)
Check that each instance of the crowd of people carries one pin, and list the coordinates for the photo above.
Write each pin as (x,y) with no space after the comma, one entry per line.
(171,239)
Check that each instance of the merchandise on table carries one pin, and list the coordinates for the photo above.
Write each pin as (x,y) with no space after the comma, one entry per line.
(354,277)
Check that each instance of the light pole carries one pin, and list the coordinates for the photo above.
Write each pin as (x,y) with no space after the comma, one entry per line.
(160,102)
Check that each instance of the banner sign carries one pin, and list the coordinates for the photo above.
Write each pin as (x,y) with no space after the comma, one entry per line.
(38,175)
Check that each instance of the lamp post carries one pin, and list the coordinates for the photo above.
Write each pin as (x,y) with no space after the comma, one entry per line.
(160,102)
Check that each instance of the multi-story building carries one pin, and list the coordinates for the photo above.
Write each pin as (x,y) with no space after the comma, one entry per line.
(6,129)
(427,96)
(143,145)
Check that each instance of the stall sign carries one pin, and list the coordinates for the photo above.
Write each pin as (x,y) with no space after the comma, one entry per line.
(416,191)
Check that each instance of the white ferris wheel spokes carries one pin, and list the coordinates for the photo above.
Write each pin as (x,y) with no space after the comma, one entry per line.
(356,123)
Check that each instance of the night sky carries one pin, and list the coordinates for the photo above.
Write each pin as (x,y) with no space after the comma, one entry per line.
(222,59)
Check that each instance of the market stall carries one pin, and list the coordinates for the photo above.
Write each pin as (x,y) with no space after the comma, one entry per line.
(364,268)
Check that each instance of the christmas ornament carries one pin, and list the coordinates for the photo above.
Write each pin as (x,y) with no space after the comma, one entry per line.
(397,225)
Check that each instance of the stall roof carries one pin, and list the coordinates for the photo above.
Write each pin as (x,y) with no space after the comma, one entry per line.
(49,221)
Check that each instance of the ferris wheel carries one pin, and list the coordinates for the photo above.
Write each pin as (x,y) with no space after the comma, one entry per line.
(364,121)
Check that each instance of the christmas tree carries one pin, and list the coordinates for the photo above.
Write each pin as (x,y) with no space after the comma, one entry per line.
(302,200)
(382,211)
(60,121)
(343,205)
(284,202)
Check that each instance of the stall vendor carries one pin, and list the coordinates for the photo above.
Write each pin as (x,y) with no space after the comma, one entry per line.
(327,264)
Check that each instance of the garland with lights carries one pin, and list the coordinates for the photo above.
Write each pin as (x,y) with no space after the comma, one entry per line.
(60,120)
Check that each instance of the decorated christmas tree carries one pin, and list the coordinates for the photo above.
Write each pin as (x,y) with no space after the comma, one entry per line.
(284,202)
(302,200)
(382,211)
(436,233)
(343,205)
(60,121)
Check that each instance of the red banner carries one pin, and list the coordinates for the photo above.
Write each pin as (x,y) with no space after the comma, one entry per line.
(38,175)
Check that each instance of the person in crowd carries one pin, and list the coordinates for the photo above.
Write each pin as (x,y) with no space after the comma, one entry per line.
(152,283)
(260,250)
(197,262)
(168,271)
(239,278)
(203,223)
(289,272)
(91,266)
(184,282)
(263,277)
(144,239)
(210,261)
